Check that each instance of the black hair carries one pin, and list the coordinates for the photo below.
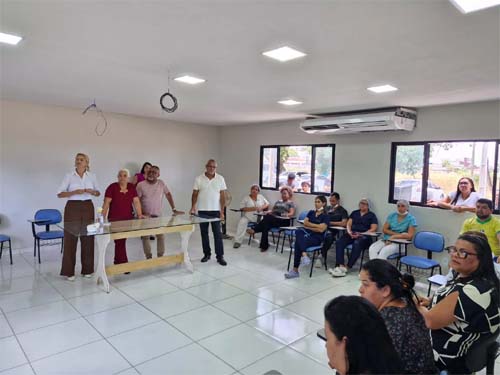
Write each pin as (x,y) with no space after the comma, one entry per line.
(369,347)
(321,198)
(486,270)
(144,166)
(457,195)
(487,202)
(383,273)
(336,195)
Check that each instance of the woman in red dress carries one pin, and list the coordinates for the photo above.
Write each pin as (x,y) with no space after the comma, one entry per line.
(118,201)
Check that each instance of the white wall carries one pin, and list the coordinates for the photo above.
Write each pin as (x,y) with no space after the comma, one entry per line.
(362,161)
(38,144)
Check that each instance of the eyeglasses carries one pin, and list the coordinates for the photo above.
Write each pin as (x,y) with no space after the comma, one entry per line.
(461,253)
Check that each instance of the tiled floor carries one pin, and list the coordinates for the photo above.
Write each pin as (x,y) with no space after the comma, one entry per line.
(240,319)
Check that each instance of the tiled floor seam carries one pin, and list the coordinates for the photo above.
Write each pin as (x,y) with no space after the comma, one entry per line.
(20,346)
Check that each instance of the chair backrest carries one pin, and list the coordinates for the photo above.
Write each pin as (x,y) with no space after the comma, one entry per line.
(429,241)
(477,355)
(303,215)
(49,216)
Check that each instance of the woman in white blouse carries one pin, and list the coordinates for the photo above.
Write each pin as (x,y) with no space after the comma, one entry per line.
(79,187)
(461,200)
(254,202)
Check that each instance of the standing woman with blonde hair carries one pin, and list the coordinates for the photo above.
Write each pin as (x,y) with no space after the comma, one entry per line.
(79,187)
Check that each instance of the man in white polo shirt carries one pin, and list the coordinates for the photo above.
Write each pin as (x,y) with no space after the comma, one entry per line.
(208,193)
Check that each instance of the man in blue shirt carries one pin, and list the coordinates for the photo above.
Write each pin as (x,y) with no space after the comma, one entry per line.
(360,221)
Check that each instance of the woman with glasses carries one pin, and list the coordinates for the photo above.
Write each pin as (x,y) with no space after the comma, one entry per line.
(400,225)
(461,200)
(465,309)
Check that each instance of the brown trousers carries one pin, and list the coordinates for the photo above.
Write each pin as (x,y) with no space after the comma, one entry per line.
(82,212)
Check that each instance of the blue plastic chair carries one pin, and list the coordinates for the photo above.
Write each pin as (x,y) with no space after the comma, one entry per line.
(311,249)
(290,233)
(46,217)
(431,242)
(251,225)
(4,238)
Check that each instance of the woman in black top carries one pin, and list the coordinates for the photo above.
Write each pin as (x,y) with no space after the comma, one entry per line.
(357,341)
(392,294)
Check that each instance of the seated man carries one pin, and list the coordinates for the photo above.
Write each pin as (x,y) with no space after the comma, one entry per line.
(338,218)
(360,221)
(486,223)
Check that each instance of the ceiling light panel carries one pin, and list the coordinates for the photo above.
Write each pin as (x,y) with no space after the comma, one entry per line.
(284,54)
(468,6)
(189,80)
(10,39)
(289,102)
(382,89)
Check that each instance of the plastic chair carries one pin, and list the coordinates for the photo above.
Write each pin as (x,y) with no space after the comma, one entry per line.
(290,233)
(483,354)
(251,225)
(46,217)
(431,242)
(4,238)
(311,249)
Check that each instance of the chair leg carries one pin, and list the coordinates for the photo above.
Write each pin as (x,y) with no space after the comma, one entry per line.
(39,261)
(278,243)
(1,249)
(34,247)
(282,243)
(324,260)
(289,260)
(312,264)
(10,252)
(429,290)
(361,260)
(62,244)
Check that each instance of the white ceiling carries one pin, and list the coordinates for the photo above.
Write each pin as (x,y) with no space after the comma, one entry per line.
(119,51)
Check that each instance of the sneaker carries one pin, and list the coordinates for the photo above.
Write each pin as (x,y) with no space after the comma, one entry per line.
(318,263)
(291,274)
(70,278)
(337,272)
(343,269)
(305,261)
(236,245)
(88,276)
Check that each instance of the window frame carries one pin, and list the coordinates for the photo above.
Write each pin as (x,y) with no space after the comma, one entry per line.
(425,168)
(313,166)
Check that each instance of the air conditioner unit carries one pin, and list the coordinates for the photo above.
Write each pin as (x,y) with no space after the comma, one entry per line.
(362,122)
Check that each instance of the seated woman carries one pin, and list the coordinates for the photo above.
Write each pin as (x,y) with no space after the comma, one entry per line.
(277,217)
(357,341)
(118,201)
(463,199)
(392,294)
(360,221)
(399,225)
(312,234)
(466,308)
(254,202)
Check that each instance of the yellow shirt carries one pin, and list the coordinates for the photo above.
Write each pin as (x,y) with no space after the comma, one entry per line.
(490,227)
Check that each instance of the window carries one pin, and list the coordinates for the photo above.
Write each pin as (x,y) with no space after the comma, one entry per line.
(306,168)
(422,172)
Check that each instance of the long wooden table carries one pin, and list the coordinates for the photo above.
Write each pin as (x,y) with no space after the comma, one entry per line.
(184,225)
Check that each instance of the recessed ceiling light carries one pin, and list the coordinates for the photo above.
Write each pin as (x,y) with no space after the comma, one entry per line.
(289,102)
(468,6)
(189,79)
(10,39)
(284,54)
(381,89)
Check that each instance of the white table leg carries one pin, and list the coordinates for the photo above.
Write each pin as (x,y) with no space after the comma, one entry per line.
(185,235)
(102,242)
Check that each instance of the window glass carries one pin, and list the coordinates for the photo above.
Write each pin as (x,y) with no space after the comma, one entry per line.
(408,173)
(295,167)
(269,165)
(323,169)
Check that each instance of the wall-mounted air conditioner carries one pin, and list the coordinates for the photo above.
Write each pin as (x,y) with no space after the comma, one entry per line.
(361,122)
